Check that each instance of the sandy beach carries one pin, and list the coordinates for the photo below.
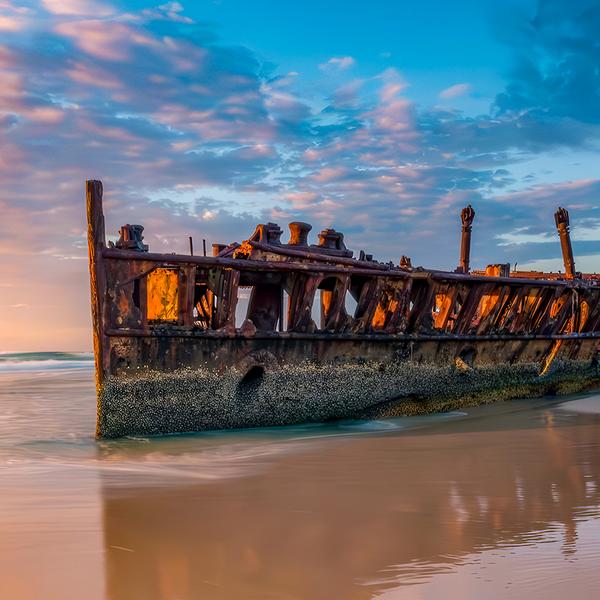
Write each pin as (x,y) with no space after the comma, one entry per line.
(494,502)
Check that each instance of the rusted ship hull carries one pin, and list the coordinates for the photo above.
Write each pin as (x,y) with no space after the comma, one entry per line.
(336,384)
(171,357)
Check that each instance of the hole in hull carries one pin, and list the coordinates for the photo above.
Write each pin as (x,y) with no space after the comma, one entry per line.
(247,388)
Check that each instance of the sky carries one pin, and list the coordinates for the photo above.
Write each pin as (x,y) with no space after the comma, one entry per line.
(381,119)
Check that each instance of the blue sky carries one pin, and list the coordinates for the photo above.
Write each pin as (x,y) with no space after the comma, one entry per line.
(382,119)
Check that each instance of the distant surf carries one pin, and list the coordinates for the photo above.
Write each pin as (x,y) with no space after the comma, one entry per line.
(12,362)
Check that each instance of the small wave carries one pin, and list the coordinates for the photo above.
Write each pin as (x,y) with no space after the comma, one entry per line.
(13,362)
(589,405)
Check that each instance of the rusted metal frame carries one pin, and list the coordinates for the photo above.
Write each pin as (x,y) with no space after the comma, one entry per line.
(224,285)
(588,301)
(397,319)
(540,314)
(120,308)
(523,309)
(566,322)
(464,320)
(264,306)
(385,296)
(203,307)
(125,289)
(448,277)
(366,304)
(562,321)
(585,309)
(593,321)
(205,302)
(301,291)
(518,310)
(579,318)
(487,304)
(187,288)
(347,336)
(508,320)
(420,314)
(227,301)
(485,294)
(391,306)
(333,305)
(444,296)
(581,309)
(547,321)
(507,308)
(458,293)
(143,272)
(489,322)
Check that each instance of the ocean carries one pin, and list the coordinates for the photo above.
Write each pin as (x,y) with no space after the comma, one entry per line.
(494,502)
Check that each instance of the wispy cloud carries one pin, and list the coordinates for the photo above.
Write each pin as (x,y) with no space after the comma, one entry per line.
(455,91)
(79,8)
(340,63)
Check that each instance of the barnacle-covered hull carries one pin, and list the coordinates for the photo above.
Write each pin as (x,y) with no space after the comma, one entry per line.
(320,335)
(357,379)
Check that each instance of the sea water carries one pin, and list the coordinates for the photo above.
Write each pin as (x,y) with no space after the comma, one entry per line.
(501,501)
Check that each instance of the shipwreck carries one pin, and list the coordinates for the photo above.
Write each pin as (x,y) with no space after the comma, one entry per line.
(267,333)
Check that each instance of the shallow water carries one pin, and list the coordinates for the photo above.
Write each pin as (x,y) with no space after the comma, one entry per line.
(494,502)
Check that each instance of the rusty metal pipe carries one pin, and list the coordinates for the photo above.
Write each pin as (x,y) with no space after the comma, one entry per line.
(467,215)
(561,216)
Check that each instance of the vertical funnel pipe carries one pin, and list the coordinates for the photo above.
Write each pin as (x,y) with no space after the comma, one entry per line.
(467,215)
(561,216)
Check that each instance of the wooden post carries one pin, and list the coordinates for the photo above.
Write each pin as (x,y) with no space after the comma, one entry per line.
(191,246)
(96,244)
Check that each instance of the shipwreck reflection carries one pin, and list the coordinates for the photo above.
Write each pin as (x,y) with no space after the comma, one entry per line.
(349,517)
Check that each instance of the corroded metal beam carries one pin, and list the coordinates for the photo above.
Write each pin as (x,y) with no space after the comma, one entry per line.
(467,215)
(561,216)
(96,245)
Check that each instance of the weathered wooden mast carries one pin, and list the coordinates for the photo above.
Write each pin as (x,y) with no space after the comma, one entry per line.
(96,244)
(467,215)
(561,216)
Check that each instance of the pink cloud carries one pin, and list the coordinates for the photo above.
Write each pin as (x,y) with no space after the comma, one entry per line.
(93,75)
(564,193)
(12,23)
(13,17)
(79,8)
(48,115)
(455,91)
(104,39)
(329,174)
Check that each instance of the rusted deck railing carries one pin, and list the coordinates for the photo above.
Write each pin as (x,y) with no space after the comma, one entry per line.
(300,290)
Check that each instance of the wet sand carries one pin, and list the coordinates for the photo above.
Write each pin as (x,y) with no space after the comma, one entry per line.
(500,501)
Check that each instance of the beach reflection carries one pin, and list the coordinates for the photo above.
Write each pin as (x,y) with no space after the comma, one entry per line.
(357,516)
